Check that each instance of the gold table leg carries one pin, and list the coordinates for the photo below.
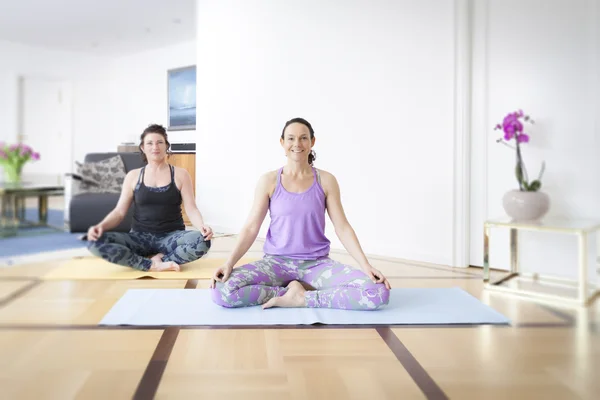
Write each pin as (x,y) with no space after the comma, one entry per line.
(43,209)
(4,211)
(486,253)
(583,266)
(514,251)
(9,221)
(15,211)
(21,207)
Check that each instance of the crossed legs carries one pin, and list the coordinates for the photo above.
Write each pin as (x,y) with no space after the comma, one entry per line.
(132,249)
(275,281)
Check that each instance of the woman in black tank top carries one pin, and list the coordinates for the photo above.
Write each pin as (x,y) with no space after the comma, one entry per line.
(158,240)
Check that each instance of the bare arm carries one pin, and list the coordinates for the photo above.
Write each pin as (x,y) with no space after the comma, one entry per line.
(343,229)
(257,215)
(250,230)
(114,218)
(189,201)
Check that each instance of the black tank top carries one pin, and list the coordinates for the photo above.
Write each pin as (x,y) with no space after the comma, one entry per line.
(157,210)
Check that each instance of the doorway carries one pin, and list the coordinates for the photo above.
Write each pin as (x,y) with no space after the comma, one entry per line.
(45,110)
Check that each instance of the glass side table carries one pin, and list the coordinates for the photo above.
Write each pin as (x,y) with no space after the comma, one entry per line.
(12,204)
(586,293)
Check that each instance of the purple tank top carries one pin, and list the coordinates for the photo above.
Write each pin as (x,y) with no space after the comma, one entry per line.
(297,228)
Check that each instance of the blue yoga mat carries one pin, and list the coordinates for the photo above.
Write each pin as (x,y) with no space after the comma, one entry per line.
(40,239)
(407,306)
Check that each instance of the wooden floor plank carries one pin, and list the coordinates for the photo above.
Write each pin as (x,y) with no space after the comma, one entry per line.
(508,363)
(72,302)
(288,364)
(416,371)
(13,289)
(73,364)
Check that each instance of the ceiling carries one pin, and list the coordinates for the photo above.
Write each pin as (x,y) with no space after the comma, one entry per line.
(102,27)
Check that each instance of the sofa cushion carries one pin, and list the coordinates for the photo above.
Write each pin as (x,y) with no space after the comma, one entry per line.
(104,176)
(131,160)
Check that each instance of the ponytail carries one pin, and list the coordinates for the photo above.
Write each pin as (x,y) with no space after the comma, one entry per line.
(312,157)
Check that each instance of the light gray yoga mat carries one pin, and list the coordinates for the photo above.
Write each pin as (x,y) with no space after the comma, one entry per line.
(181,307)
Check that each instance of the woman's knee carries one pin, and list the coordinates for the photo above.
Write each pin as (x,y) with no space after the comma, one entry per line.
(384,294)
(227,294)
(222,296)
(94,247)
(376,294)
(196,239)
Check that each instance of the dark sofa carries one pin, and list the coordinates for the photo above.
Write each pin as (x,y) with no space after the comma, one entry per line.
(87,209)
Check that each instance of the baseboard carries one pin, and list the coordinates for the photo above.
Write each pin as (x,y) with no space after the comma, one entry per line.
(337,250)
(223,229)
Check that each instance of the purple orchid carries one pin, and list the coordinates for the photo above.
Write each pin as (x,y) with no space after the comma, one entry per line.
(513,129)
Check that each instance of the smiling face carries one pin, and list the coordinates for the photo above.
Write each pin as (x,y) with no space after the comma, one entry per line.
(297,142)
(154,147)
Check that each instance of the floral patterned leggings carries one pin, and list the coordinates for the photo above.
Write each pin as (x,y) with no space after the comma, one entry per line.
(132,249)
(338,285)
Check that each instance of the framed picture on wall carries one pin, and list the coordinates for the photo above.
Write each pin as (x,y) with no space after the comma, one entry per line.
(181,98)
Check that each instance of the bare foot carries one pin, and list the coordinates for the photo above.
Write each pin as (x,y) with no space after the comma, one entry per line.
(159,266)
(157,258)
(294,297)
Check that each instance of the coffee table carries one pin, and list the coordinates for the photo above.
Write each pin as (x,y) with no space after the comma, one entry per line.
(12,200)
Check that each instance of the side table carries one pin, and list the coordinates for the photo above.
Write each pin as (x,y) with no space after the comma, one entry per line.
(586,293)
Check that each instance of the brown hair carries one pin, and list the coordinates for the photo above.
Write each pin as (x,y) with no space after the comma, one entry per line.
(154,128)
(312,156)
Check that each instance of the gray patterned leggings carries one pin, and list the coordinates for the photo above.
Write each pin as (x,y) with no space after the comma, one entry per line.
(132,249)
(338,285)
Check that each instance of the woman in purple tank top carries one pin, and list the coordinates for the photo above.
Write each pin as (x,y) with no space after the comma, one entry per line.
(296,248)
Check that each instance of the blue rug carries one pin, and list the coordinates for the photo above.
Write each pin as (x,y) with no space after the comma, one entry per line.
(407,306)
(40,239)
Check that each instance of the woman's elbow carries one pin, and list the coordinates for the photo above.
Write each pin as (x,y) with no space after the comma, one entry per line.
(342,228)
(250,229)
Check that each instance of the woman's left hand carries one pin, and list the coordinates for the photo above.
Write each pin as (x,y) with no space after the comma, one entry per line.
(206,232)
(376,276)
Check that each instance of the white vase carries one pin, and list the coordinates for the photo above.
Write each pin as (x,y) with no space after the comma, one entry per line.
(526,206)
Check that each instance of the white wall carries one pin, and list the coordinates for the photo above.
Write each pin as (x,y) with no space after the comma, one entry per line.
(138,84)
(87,74)
(541,56)
(376,80)
(113,99)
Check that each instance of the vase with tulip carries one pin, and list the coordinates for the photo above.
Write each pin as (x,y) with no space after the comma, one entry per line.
(13,158)
(527,202)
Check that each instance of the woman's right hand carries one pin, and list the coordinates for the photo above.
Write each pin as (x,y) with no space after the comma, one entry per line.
(221,275)
(94,232)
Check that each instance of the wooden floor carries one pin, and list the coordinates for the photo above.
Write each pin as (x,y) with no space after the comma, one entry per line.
(52,348)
